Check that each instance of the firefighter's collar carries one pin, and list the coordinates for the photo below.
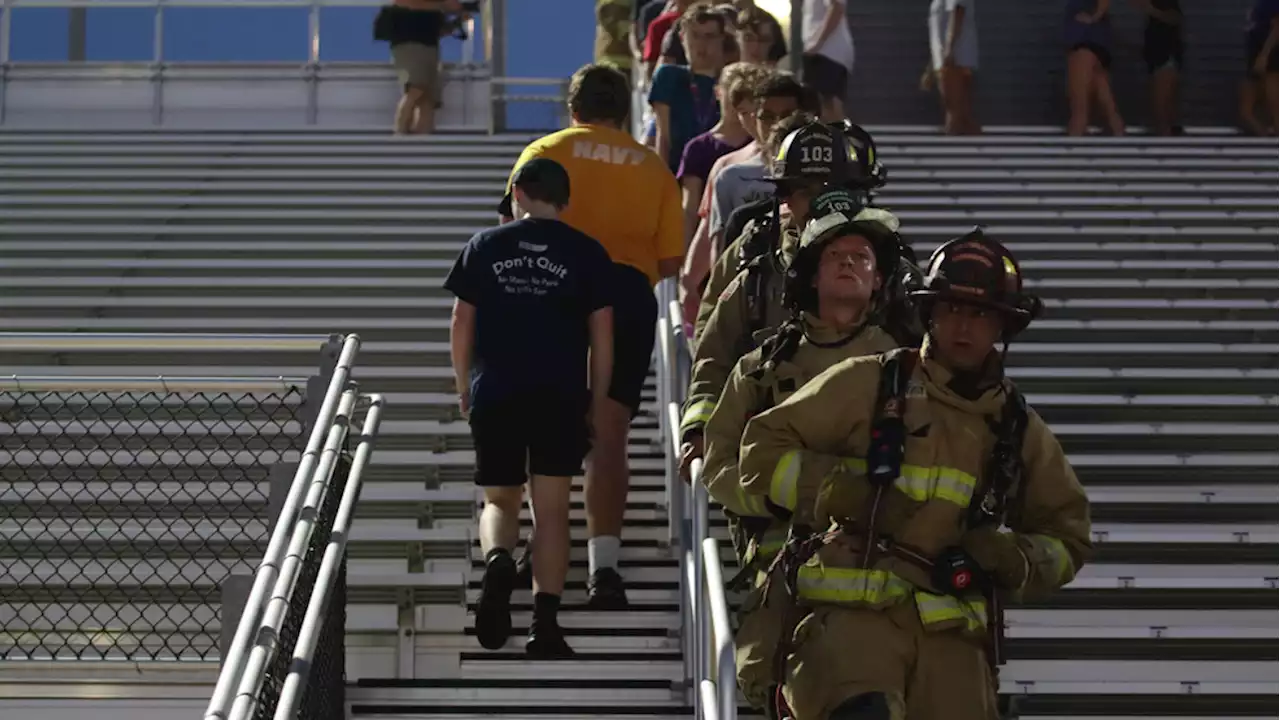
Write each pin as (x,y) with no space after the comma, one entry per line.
(940,384)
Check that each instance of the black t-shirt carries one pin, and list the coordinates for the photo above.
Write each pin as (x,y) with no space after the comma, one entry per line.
(534,283)
(405,25)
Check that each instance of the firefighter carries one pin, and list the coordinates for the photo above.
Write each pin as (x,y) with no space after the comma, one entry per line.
(759,231)
(832,289)
(750,308)
(897,596)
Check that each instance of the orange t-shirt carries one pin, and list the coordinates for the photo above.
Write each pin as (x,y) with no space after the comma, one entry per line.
(620,193)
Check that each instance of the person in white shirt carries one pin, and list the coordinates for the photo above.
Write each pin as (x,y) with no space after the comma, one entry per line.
(828,54)
(953,46)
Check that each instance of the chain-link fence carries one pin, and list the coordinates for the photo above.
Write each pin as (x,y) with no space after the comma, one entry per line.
(122,514)
(325,696)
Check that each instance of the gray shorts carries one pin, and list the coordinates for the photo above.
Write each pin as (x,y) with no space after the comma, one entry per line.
(418,66)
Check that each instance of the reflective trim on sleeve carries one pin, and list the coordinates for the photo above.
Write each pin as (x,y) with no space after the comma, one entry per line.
(772,541)
(752,505)
(697,414)
(943,483)
(857,587)
(850,586)
(782,487)
(936,609)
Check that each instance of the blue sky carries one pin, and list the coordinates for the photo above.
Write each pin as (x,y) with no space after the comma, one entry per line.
(543,46)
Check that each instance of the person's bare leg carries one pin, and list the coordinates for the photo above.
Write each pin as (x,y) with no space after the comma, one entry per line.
(608,478)
(407,109)
(946,93)
(1164,98)
(1248,105)
(970,125)
(549,498)
(1080,65)
(1272,94)
(424,122)
(499,531)
(1106,100)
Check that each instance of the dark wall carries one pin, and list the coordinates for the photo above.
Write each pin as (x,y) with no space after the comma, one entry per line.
(1021,78)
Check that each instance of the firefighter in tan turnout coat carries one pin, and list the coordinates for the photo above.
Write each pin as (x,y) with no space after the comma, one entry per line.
(923,494)
(833,287)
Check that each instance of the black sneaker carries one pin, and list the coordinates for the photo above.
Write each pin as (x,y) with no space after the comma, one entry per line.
(546,642)
(605,590)
(524,569)
(493,611)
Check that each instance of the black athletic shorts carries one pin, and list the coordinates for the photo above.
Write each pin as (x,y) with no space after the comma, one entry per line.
(1252,51)
(1161,52)
(1100,52)
(826,76)
(635,314)
(531,435)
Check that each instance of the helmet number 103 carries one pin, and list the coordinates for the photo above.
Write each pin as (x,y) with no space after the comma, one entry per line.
(816,154)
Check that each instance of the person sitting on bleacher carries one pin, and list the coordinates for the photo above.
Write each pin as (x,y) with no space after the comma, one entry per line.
(533,296)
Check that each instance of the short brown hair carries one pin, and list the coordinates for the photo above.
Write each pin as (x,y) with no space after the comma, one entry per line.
(753,19)
(600,94)
(701,12)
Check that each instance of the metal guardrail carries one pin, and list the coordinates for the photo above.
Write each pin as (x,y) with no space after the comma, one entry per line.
(134,509)
(477,64)
(708,646)
(292,585)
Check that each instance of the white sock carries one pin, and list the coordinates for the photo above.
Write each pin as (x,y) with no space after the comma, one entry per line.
(602,552)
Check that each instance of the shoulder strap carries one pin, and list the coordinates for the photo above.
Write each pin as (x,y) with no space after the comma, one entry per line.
(888,431)
(1004,469)
(764,236)
(756,282)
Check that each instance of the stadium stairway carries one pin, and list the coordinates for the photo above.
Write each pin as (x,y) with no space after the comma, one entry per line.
(1155,365)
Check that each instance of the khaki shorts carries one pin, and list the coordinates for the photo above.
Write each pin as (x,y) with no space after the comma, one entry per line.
(418,66)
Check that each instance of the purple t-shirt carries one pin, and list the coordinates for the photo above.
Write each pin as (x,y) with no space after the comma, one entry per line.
(701,153)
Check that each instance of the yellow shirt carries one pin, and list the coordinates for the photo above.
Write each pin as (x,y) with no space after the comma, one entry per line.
(620,193)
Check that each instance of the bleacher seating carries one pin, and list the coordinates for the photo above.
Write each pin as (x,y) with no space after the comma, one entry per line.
(1155,364)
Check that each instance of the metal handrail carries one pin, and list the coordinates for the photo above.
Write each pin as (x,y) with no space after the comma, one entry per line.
(158,383)
(268,642)
(72,341)
(235,666)
(708,643)
(299,668)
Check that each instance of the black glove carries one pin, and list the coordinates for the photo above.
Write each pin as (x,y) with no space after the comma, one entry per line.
(955,572)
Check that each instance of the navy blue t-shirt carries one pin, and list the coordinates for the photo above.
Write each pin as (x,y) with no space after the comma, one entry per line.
(534,283)
(692,99)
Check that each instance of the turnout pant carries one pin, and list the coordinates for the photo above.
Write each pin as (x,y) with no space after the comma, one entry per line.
(847,656)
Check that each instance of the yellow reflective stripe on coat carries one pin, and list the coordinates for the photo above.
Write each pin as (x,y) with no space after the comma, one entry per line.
(850,586)
(854,586)
(772,541)
(943,483)
(782,486)
(698,413)
(752,505)
(935,609)
(1050,551)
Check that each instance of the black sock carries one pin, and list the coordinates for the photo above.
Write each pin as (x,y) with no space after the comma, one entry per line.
(495,553)
(545,607)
